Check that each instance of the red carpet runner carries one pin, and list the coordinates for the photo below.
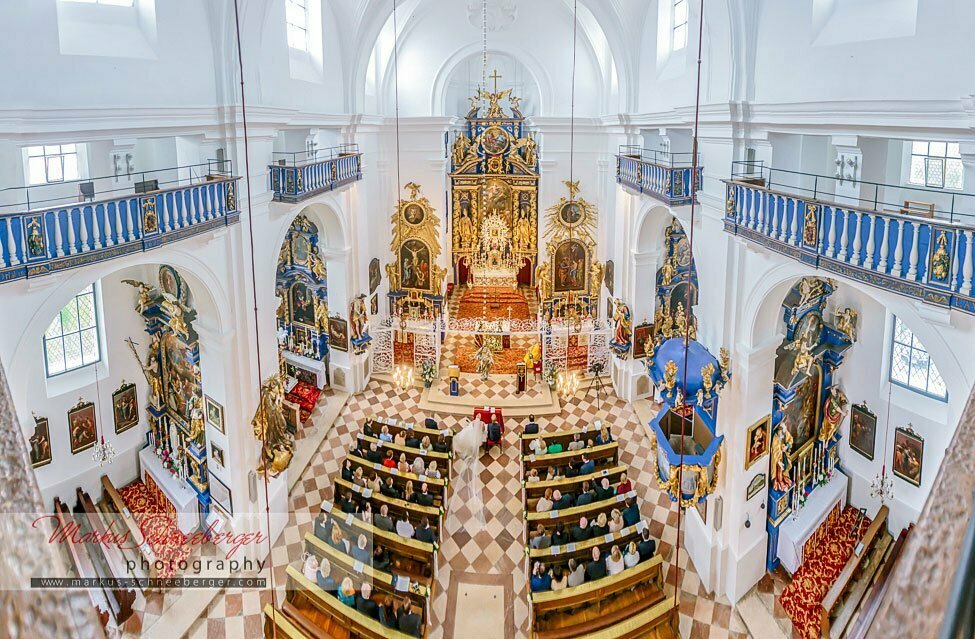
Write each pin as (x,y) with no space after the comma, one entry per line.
(802,599)
(495,302)
(157,521)
(306,396)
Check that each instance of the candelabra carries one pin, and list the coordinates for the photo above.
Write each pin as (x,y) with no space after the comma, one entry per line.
(103,452)
(568,383)
(403,377)
(882,487)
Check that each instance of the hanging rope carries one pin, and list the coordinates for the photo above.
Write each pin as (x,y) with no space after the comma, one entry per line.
(257,323)
(399,182)
(572,94)
(484,45)
(687,315)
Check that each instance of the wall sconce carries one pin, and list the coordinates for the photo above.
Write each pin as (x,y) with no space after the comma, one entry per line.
(748,521)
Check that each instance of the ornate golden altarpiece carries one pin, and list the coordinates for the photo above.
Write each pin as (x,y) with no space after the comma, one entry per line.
(415,278)
(569,281)
(494,194)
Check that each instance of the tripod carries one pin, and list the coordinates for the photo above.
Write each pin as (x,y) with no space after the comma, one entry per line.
(597,383)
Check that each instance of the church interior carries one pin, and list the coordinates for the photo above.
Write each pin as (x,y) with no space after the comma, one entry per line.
(547,319)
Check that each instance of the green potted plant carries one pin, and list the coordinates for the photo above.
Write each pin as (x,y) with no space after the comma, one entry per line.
(428,373)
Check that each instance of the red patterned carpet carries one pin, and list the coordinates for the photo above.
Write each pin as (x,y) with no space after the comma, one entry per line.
(505,361)
(306,396)
(157,521)
(495,302)
(802,599)
(403,353)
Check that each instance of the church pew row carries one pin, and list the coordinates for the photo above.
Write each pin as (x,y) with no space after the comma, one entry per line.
(384,583)
(113,507)
(290,623)
(867,611)
(597,605)
(607,454)
(561,436)
(438,487)
(582,550)
(657,622)
(105,558)
(398,508)
(568,485)
(569,516)
(415,558)
(82,566)
(443,459)
(304,595)
(395,426)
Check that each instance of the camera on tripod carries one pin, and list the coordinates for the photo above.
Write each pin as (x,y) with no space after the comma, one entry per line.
(596,368)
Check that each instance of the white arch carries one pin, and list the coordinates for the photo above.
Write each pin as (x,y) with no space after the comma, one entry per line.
(651,223)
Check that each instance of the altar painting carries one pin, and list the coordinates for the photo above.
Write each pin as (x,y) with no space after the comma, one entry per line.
(414,264)
(302,305)
(570,267)
(180,377)
(800,415)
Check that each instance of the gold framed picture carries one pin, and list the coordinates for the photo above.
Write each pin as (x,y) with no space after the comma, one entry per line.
(757,441)
(81,426)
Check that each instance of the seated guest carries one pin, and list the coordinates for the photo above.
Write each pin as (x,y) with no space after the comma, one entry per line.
(531,428)
(431,423)
(441,445)
(494,431)
(409,494)
(614,563)
(361,551)
(574,469)
(561,536)
(581,532)
(545,503)
(390,490)
(424,497)
(600,526)
(367,428)
(425,533)
(403,466)
(647,547)
(338,540)
(346,504)
(604,437)
(577,574)
(385,435)
(537,446)
(425,445)
(365,512)
(632,555)
(588,466)
(374,484)
(419,466)
(374,456)
(323,526)
(310,568)
(404,528)
(587,496)
(432,470)
(357,476)
(388,461)
(631,514)
(364,602)
(553,448)
(387,613)
(399,438)
(604,490)
(541,579)
(533,476)
(576,443)
(552,474)
(408,621)
(324,577)
(560,501)
(616,523)
(624,486)
(560,578)
(347,592)
(347,474)
(412,440)
(382,521)
(540,538)
(380,558)
(595,569)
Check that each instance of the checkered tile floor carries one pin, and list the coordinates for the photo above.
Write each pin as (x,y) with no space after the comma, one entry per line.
(499,548)
(768,590)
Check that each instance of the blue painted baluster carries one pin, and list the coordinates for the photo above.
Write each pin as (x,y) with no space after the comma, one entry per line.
(968,266)
(897,269)
(8,251)
(855,229)
(912,272)
(884,250)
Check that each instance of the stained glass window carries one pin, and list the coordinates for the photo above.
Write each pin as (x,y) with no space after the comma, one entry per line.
(71,341)
(680,24)
(911,365)
(937,165)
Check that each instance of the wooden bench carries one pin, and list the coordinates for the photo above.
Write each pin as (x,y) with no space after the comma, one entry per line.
(304,594)
(569,516)
(438,487)
(582,550)
(661,619)
(398,508)
(422,556)
(607,454)
(290,623)
(918,209)
(114,507)
(615,599)
(563,437)
(442,459)
(573,485)
(82,565)
(397,425)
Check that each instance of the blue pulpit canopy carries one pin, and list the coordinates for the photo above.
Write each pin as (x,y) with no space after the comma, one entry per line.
(705,374)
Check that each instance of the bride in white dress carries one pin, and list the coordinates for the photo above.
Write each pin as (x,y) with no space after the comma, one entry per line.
(466,503)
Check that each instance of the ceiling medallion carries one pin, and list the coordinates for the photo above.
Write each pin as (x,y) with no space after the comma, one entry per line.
(501,14)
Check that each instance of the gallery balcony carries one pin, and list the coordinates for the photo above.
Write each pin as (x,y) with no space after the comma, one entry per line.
(660,174)
(297,176)
(917,243)
(52,227)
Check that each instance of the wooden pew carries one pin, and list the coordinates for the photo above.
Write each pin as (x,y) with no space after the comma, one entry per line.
(303,595)
(844,596)
(398,508)
(438,487)
(867,611)
(569,516)
(113,506)
(384,583)
(582,550)
(397,425)
(415,558)
(660,619)
(597,605)
(573,485)
(289,623)
(443,459)
(605,455)
(106,558)
(82,565)
(563,437)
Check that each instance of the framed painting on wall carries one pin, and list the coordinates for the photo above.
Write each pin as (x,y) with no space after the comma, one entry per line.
(221,494)
(338,333)
(755,486)
(908,454)
(863,430)
(125,407)
(214,414)
(757,440)
(216,455)
(40,443)
(81,426)
(641,334)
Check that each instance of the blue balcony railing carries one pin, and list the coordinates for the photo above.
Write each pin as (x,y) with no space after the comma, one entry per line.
(930,259)
(56,237)
(663,175)
(297,176)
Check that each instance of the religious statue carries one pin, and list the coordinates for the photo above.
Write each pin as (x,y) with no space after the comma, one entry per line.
(392,275)
(623,329)
(724,358)
(358,319)
(667,272)
(680,319)
(462,149)
(810,229)
(150,370)
(485,360)
(144,300)
(834,410)
(515,103)
(321,315)
(466,231)
(809,289)
(523,232)
(846,323)
(595,278)
(526,149)
(437,275)
(670,374)
(543,281)
(317,265)
(781,464)
(804,358)
(271,429)
(197,424)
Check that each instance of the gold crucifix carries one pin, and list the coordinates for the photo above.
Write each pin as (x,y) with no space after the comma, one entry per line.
(495,76)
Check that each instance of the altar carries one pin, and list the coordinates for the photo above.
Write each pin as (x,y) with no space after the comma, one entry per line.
(180,496)
(314,370)
(794,533)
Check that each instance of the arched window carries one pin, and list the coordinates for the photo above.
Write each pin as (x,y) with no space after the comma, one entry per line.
(911,365)
(680,25)
(71,341)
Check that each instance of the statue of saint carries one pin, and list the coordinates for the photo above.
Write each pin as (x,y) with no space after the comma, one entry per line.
(781,464)
(485,359)
(392,274)
(271,429)
(834,410)
(624,326)
(462,148)
(543,281)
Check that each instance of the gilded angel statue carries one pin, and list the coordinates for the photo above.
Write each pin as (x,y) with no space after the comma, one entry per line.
(595,277)
(543,281)
(392,274)
(271,429)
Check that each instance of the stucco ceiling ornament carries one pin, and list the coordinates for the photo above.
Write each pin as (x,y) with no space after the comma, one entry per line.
(501,14)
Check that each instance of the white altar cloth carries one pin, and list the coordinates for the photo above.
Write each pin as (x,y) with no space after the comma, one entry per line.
(314,366)
(177,492)
(794,533)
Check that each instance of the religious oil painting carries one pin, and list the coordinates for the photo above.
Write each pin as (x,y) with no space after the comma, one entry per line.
(374,305)
(214,413)
(40,443)
(908,454)
(570,213)
(863,430)
(302,305)
(414,264)
(799,415)
(494,140)
(299,249)
(413,214)
(757,440)
(221,494)
(216,455)
(170,281)
(181,377)
(125,407)
(609,276)
(641,334)
(375,274)
(81,426)
(570,267)
(338,333)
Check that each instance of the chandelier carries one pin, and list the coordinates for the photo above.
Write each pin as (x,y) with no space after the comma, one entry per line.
(403,377)
(567,383)
(882,487)
(103,452)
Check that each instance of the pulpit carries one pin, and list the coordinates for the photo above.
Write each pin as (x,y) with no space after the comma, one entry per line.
(172,490)
(796,532)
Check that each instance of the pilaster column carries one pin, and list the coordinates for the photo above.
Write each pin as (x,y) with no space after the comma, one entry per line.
(847,169)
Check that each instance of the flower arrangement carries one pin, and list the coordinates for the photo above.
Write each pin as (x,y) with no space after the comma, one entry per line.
(167,459)
(428,373)
(551,375)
